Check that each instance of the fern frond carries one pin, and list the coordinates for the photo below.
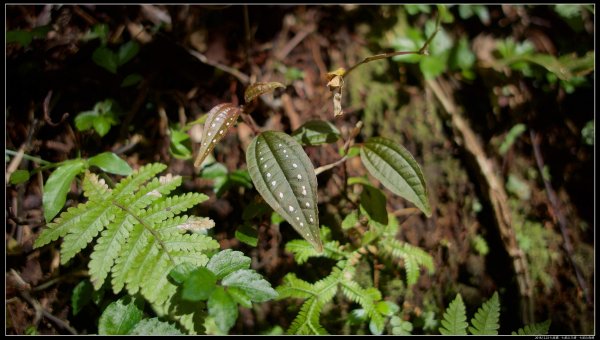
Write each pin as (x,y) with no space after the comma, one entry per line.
(155,190)
(366,298)
(95,187)
(294,287)
(108,247)
(132,183)
(171,206)
(141,237)
(61,225)
(82,233)
(307,320)
(303,250)
(541,328)
(123,263)
(413,258)
(485,321)
(455,318)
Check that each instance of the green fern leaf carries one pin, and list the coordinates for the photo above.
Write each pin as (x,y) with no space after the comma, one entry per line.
(541,328)
(303,250)
(485,321)
(132,183)
(455,318)
(307,320)
(97,218)
(108,247)
(413,258)
(295,288)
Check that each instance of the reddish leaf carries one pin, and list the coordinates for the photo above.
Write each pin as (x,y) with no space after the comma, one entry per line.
(218,121)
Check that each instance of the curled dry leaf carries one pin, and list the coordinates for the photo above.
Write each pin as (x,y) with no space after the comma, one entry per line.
(336,85)
(218,121)
(257,89)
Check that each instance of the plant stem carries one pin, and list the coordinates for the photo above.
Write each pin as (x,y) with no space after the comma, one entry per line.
(152,231)
(421,51)
(27,157)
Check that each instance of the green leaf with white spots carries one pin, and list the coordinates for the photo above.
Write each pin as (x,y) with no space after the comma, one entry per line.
(397,170)
(284,176)
(255,90)
(219,119)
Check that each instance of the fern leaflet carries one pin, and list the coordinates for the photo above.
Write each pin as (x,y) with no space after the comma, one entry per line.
(485,321)
(413,258)
(541,328)
(455,318)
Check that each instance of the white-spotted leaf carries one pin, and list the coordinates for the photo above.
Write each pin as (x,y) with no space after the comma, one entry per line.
(219,119)
(260,88)
(285,177)
(397,170)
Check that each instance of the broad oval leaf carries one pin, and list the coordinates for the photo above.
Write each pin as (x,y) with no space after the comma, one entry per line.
(316,132)
(285,177)
(397,170)
(120,317)
(219,119)
(112,163)
(199,285)
(260,88)
(57,187)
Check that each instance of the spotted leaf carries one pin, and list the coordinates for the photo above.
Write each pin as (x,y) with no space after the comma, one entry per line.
(219,119)
(257,89)
(397,170)
(284,176)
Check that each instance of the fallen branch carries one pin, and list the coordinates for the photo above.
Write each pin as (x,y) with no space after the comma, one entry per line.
(493,189)
(562,221)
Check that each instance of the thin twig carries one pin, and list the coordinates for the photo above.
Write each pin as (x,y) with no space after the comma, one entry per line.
(244,79)
(330,166)
(421,51)
(46,109)
(24,289)
(562,221)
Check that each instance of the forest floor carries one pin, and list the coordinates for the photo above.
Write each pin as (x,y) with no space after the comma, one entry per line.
(194,57)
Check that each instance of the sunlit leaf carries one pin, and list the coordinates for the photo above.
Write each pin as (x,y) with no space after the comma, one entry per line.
(223,309)
(285,177)
(57,187)
(120,317)
(155,327)
(255,90)
(227,261)
(219,120)
(397,170)
(111,163)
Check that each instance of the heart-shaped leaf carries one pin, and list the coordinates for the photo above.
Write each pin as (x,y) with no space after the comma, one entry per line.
(219,119)
(284,176)
(257,89)
(397,170)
